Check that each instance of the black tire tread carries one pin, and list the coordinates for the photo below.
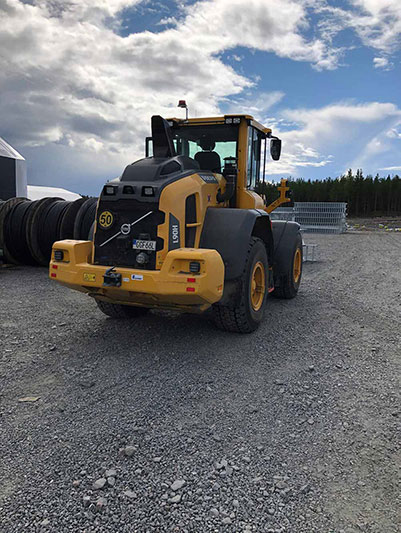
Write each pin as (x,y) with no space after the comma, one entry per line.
(34,229)
(5,207)
(84,219)
(285,290)
(234,319)
(68,220)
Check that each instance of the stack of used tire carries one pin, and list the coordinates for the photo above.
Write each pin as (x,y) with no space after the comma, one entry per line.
(28,229)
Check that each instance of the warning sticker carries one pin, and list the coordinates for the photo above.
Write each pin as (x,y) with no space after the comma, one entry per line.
(106,219)
(89,277)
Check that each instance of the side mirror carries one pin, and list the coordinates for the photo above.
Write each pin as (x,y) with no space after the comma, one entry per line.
(275,149)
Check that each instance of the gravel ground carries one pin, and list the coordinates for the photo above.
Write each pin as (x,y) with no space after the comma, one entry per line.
(165,424)
(389,223)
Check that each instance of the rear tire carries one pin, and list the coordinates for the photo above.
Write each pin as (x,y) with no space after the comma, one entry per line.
(286,285)
(121,311)
(245,311)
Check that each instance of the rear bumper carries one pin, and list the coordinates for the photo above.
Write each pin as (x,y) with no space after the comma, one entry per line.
(171,287)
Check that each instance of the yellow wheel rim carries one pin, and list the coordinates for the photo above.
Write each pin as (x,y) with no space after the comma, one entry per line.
(297,265)
(258,286)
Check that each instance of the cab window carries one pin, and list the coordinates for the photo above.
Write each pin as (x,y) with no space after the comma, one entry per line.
(207,144)
(254,156)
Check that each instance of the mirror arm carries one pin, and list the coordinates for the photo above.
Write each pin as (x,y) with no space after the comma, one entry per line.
(264,161)
(147,142)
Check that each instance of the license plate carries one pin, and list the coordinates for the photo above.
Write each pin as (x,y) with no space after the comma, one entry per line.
(138,244)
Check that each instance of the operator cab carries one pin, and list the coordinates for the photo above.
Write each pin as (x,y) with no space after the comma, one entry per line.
(210,141)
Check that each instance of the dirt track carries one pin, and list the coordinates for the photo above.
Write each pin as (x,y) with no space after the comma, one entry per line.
(295,428)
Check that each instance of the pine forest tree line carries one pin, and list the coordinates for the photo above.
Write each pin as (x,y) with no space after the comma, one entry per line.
(365,196)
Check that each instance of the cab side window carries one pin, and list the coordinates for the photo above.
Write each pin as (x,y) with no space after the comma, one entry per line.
(254,153)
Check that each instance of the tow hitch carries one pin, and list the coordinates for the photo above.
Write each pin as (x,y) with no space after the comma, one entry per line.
(111,278)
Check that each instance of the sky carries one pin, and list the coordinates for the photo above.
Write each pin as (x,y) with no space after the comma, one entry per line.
(80,80)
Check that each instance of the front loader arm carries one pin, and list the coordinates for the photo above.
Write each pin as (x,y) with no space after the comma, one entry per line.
(282,199)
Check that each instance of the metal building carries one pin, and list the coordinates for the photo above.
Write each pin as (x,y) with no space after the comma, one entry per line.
(36,192)
(12,172)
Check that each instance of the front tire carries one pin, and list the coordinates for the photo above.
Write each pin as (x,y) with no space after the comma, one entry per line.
(121,311)
(244,312)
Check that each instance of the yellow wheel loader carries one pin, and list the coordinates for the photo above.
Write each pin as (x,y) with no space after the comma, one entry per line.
(184,229)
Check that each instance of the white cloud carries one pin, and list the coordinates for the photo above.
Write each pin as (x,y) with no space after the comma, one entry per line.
(340,132)
(67,77)
(391,169)
(273,26)
(80,95)
(379,24)
(256,105)
(376,22)
(382,62)
(393,133)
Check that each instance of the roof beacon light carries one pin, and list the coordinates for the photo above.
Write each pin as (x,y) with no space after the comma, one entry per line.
(183,105)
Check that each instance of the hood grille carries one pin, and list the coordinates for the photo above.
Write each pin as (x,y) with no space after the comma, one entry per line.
(118,251)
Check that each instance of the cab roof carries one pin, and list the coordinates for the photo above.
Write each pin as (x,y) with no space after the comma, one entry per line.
(220,120)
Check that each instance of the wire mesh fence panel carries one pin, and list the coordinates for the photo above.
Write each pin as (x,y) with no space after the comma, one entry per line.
(283,213)
(321,217)
(310,252)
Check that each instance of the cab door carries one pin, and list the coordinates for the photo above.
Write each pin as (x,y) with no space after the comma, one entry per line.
(250,163)
(254,155)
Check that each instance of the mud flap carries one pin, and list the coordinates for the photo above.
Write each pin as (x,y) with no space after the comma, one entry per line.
(284,234)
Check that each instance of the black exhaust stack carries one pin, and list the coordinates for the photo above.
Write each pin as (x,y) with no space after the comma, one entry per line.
(163,145)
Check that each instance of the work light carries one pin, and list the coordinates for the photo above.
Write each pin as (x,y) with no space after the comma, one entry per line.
(109,190)
(194,267)
(148,191)
(142,258)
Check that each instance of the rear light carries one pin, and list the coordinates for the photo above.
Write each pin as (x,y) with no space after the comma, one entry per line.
(194,267)
(190,289)
(53,275)
(58,255)
(191,280)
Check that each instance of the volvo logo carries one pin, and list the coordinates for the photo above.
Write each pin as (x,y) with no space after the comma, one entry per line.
(125,229)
